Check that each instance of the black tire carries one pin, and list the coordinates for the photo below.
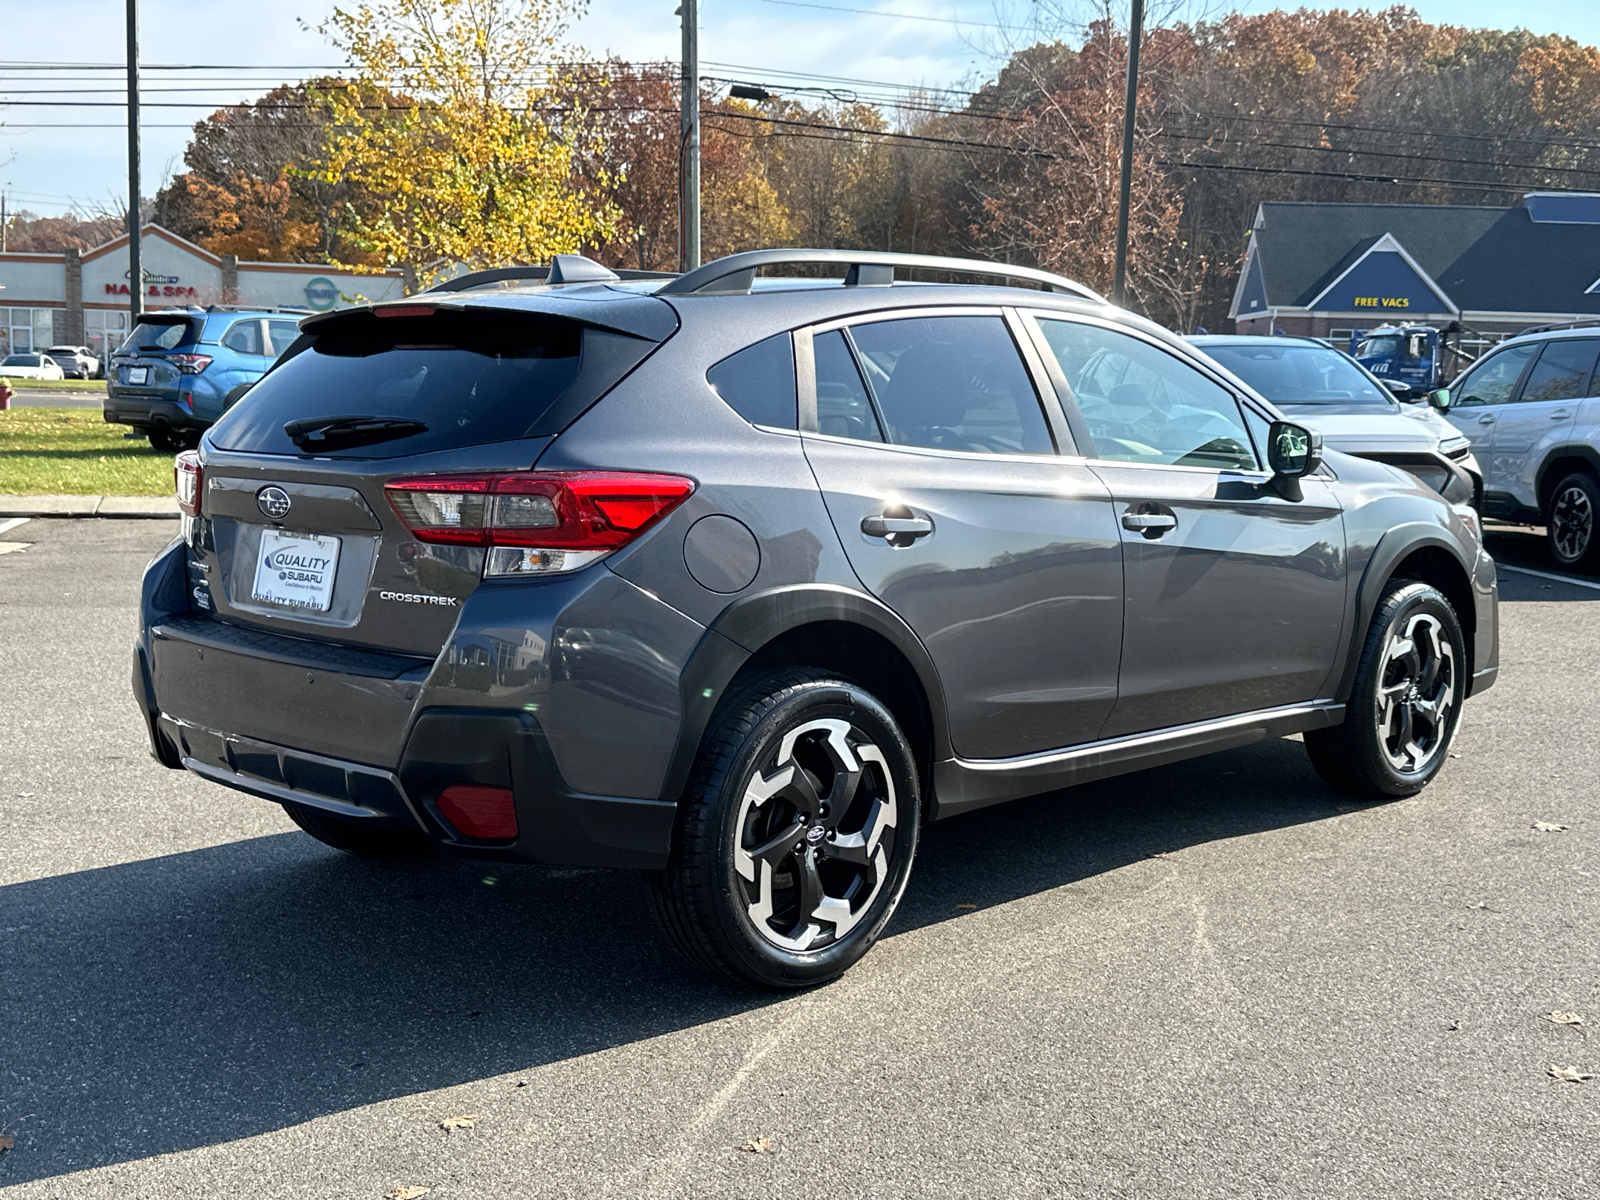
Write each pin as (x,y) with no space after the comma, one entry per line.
(1404,705)
(734,897)
(385,842)
(165,440)
(1570,520)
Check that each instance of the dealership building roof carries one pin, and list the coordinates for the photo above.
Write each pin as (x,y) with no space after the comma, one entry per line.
(81,297)
(1312,266)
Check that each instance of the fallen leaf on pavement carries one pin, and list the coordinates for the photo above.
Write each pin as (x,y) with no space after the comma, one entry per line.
(1549,827)
(1557,1017)
(465,1122)
(406,1193)
(966,906)
(757,1146)
(6,1144)
(1569,1074)
(1484,905)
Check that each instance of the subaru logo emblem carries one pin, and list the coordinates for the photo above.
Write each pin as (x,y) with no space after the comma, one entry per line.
(273,502)
(816,833)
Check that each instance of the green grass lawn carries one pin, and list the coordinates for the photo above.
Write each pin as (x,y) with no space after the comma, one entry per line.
(73,452)
(56,385)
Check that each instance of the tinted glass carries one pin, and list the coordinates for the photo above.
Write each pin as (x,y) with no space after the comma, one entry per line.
(843,409)
(758,382)
(1144,405)
(1299,374)
(1386,345)
(471,378)
(952,383)
(1491,381)
(283,334)
(1562,372)
(164,335)
(21,360)
(243,337)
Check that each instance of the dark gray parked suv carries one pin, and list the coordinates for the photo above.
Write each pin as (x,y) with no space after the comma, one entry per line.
(740,581)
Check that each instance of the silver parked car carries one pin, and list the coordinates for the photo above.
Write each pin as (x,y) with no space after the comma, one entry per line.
(77,362)
(1531,408)
(1308,380)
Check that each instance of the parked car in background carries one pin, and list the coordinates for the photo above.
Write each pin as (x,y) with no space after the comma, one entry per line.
(31,366)
(1310,381)
(738,581)
(1531,408)
(79,362)
(173,375)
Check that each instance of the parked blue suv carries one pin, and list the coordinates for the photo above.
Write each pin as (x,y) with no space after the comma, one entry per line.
(180,370)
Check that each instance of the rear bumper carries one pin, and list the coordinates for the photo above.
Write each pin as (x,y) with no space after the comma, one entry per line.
(143,412)
(375,737)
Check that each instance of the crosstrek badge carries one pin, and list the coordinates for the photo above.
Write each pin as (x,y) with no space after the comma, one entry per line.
(296,570)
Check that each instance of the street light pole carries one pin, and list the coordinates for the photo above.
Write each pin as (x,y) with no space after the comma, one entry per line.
(689,143)
(1129,111)
(135,264)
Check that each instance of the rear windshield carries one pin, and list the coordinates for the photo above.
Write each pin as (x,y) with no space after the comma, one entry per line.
(161,335)
(470,378)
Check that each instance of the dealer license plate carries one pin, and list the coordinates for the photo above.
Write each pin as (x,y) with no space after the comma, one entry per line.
(138,374)
(296,569)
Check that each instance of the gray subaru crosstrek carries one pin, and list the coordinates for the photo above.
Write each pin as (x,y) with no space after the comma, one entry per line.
(739,581)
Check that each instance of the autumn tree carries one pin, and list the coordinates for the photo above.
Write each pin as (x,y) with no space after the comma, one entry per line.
(471,162)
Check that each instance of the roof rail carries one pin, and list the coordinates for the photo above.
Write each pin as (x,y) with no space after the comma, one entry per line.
(269,308)
(866,268)
(563,268)
(1582,323)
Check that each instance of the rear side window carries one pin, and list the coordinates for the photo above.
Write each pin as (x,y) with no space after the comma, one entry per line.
(1562,372)
(243,337)
(471,378)
(952,383)
(758,383)
(283,334)
(843,409)
(160,335)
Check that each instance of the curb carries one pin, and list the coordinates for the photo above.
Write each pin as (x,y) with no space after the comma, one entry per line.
(163,507)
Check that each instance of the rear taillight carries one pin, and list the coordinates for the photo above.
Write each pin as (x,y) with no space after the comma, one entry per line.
(186,474)
(537,522)
(189,364)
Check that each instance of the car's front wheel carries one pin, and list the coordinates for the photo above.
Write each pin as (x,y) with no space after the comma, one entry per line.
(1405,702)
(795,839)
(387,842)
(1570,522)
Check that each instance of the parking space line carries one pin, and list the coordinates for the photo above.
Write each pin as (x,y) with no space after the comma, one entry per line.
(8,526)
(1584,583)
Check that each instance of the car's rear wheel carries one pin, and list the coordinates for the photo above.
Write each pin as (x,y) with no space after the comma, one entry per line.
(796,837)
(1405,702)
(167,441)
(385,842)
(1570,520)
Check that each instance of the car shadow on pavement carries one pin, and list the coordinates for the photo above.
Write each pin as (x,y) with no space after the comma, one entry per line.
(200,998)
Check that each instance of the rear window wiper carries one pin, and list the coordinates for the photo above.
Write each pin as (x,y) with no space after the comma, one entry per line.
(326,433)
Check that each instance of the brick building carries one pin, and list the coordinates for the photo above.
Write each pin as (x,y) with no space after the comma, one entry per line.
(81,298)
(1326,269)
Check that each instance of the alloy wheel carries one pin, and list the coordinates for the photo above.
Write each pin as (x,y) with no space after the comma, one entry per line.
(815,835)
(1571,523)
(1416,693)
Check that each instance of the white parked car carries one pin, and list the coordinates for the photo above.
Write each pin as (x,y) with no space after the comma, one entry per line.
(30,366)
(79,362)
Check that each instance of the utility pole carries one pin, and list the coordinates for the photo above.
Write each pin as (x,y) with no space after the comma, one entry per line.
(1129,111)
(135,265)
(689,143)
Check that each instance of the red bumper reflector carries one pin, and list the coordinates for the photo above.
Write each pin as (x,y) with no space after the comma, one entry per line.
(479,812)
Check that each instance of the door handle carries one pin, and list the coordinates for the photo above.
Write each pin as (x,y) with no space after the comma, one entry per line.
(1560,415)
(1486,419)
(1149,523)
(899,530)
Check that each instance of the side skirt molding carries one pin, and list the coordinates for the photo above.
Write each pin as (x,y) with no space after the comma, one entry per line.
(961,785)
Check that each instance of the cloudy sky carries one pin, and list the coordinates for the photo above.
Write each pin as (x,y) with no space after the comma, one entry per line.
(54,155)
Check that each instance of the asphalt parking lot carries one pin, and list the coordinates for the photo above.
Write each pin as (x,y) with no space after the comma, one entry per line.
(1218,979)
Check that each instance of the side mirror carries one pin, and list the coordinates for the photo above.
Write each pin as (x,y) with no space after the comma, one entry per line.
(1440,399)
(1293,452)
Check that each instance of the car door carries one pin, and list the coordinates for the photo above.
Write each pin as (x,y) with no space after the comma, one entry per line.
(1479,398)
(1540,414)
(941,472)
(1233,595)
